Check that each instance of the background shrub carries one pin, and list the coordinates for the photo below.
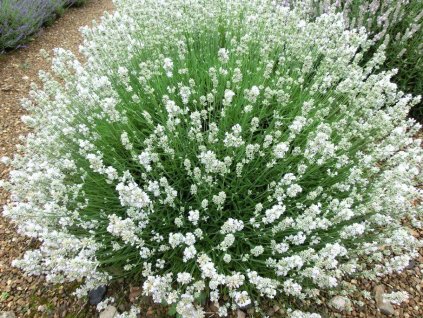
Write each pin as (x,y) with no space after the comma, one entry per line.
(20,19)
(228,151)
(398,24)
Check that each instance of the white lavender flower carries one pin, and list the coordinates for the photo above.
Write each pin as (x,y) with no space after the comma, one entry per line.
(261,156)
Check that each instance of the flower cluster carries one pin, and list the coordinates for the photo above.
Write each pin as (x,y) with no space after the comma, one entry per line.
(233,150)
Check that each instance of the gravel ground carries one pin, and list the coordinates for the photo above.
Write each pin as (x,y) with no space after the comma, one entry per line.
(31,296)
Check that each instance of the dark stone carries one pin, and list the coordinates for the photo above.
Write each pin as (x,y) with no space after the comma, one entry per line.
(95,296)
(411,265)
(386,309)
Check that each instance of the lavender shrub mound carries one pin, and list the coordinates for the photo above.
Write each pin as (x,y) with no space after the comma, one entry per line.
(229,151)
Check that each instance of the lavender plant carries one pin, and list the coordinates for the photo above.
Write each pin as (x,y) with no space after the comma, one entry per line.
(19,19)
(398,23)
(223,150)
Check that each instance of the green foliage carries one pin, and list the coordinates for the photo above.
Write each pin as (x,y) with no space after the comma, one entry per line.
(4,296)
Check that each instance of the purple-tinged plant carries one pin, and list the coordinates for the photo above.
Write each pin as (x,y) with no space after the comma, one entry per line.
(21,18)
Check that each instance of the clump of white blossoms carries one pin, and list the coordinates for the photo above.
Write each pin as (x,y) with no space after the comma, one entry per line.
(231,150)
